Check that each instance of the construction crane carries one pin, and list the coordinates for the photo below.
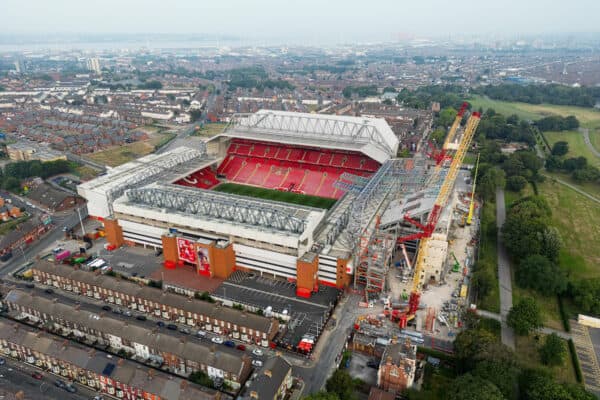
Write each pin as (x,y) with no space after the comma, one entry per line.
(440,155)
(456,266)
(472,204)
(428,229)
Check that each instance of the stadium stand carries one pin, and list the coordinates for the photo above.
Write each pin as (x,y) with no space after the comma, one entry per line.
(203,179)
(290,168)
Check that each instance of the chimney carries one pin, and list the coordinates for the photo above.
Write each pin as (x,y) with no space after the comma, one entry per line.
(268,373)
(254,395)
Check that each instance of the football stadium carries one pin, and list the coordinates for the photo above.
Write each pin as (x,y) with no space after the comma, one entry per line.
(283,194)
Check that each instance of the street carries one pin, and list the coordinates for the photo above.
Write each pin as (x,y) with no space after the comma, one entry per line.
(16,376)
(22,257)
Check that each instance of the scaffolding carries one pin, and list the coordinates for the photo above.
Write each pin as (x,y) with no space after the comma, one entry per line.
(374,247)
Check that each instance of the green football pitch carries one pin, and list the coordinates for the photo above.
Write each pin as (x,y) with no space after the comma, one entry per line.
(276,195)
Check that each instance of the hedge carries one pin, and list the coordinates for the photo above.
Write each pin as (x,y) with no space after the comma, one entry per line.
(575,361)
(563,315)
(435,353)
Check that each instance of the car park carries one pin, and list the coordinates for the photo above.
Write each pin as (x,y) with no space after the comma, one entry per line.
(217,340)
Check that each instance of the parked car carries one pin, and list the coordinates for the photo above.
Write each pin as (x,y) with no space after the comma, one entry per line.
(229,343)
(216,340)
(373,364)
(257,363)
(29,285)
(241,347)
(37,375)
(172,327)
(70,388)
(184,330)
(49,291)
(2,361)
(106,308)
(141,317)
(257,352)
(60,383)
(201,333)
(160,324)
(127,313)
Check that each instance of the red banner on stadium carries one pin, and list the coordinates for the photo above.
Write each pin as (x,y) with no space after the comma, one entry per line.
(185,250)
(203,260)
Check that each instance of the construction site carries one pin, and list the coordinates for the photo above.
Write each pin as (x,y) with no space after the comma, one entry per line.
(413,261)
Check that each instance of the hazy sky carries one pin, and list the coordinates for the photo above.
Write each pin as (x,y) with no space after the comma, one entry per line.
(310,19)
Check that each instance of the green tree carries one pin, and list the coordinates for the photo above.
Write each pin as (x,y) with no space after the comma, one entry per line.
(553,350)
(502,373)
(560,148)
(522,232)
(342,384)
(525,316)
(489,181)
(446,117)
(516,183)
(438,135)
(322,395)
(539,385)
(539,273)
(470,345)
(469,387)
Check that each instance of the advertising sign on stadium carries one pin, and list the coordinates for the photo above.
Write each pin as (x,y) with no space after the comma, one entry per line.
(185,250)
(203,260)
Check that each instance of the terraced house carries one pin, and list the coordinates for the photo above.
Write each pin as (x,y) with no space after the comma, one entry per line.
(146,345)
(170,306)
(114,376)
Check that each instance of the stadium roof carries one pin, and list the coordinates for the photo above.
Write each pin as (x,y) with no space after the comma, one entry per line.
(223,213)
(166,167)
(371,136)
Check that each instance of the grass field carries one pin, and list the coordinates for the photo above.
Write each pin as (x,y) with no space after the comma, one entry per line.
(210,129)
(276,195)
(503,107)
(526,350)
(118,155)
(577,146)
(578,220)
(85,173)
(488,257)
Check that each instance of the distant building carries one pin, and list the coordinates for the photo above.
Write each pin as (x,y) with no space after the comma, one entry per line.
(27,152)
(398,366)
(93,64)
(53,199)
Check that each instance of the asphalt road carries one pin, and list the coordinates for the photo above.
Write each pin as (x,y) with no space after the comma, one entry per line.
(586,138)
(504,276)
(16,376)
(22,257)
(316,375)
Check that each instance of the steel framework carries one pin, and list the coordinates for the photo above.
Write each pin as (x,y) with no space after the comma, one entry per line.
(148,172)
(312,126)
(208,204)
